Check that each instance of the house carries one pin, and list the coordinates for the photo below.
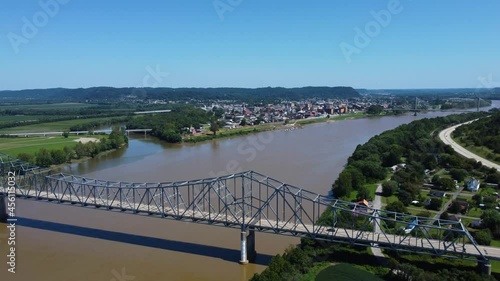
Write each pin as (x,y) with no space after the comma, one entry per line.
(439,194)
(476,223)
(464,205)
(363,203)
(473,185)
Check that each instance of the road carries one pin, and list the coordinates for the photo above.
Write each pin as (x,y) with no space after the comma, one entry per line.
(377,204)
(445,136)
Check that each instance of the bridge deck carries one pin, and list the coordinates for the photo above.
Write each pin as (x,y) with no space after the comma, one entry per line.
(381,239)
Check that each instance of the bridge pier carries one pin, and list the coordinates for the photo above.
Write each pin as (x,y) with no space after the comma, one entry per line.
(3,209)
(484,266)
(248,253)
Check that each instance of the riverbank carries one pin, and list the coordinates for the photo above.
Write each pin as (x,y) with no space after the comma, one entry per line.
(247,130)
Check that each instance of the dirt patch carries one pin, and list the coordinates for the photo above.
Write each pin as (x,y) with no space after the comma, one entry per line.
(86,140)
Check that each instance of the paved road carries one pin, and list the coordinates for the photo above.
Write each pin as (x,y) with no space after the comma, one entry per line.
(377,204)
(445,136)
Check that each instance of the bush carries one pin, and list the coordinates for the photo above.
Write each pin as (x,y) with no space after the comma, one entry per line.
(483,237)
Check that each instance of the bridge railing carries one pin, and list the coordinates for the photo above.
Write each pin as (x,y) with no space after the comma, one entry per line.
(248,200)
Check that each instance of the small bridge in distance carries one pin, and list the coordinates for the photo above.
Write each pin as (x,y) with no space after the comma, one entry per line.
(250,202)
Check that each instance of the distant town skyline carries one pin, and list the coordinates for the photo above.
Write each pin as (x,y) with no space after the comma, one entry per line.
(388,44)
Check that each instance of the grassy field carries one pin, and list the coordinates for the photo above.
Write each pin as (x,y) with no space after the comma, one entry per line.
(14,146)
(345,272)
(58,126)
(16,118)
(48,106)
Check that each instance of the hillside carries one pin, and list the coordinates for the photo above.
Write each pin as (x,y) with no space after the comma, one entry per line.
(108,94)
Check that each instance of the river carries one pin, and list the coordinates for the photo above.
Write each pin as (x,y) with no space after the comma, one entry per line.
(57,242)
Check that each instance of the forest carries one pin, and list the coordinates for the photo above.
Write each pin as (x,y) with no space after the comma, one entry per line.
(483,132)
(169,127)
(418,146)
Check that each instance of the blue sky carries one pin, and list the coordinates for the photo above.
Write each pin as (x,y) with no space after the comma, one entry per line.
(252,43)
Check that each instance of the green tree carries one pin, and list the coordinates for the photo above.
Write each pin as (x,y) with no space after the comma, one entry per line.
(58,156)
(26,157)
(214,127)
(43,158)
(389,188)
(396,206)
(343,185)
(65,134)
(243,122)
(483,237)
(363,193)
(455,207)
(446,184)
(458,174)
(435,204)
(491,220)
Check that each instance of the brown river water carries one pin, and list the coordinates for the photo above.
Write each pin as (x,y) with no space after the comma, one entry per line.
(60,242)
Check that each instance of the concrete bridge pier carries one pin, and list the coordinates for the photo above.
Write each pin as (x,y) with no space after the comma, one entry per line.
(248,253)
(3,208)
(484,266)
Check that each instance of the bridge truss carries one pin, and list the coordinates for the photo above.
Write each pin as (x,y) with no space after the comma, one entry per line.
(251,202)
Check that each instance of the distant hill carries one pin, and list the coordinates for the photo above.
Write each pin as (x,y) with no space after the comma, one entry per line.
(242,94)
(452,92)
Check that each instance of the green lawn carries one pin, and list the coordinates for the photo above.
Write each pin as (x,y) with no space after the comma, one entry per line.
(345,272)
(51,126)
(474,212)
(495,266)
(14,146)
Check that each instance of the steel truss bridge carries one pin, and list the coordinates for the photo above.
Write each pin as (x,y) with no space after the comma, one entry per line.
(250,202)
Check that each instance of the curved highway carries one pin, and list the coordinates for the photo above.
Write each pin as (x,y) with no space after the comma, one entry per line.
(445,136)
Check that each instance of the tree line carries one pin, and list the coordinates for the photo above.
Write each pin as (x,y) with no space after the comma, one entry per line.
(483,132)
(45,158)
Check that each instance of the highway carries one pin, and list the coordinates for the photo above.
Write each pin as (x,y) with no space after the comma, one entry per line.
(445,136)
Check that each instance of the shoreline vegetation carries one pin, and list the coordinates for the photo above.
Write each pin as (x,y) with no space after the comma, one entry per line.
(369,164)
(247,130)
(66,149)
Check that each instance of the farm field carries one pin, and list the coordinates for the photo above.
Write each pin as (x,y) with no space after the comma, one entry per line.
(14,146)
(47,106)
(57,126)
(16,118)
